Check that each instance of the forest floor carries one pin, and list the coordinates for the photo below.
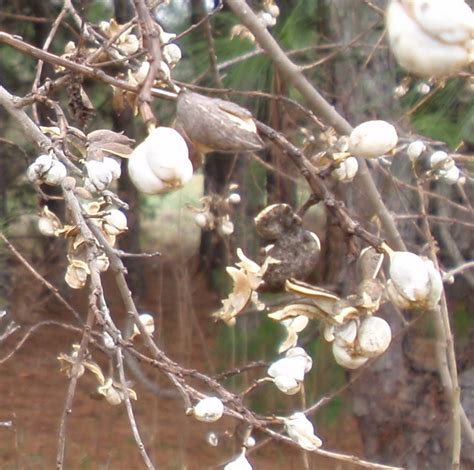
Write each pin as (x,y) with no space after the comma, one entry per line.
(33,390)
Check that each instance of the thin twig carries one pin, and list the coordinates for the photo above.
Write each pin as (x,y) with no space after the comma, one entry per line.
(321,108)
(41,279)
(445,348)
(131,417)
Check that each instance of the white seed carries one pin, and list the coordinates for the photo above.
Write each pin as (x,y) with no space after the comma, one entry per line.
(287,385)
(450,176)
(409,275)
(267,19)
(414,281)
(113,396)
(142,72)
(347,170)
(295,365)
(234,198)
(47,170)
(161,162)
(172,54)
(250,442)
(346,334)
(225,228)
(301,431)
(372,139)
(346,358)
(415,149)
(148,322)
(430,38)
(201,220)
(103,263)
(374,336)
(440,159)
(99,176)
(114,167)
(56,174)
(164,71)
(115,222)
(128,44)
(209,409)
(47,227)
(423,88)
(39,168)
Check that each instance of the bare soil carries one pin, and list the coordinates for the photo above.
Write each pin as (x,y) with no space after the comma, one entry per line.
(33,390)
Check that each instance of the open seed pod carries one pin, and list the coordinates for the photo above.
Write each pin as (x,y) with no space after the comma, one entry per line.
(346,357)
(103,143)
(46,169)
(294,251)
(294,255)
(49,223)
(275,220)
(346,171)
(301,431)
(356,341)
(288,373)
(115,222)
(99,176)
(369,263)
(212,124)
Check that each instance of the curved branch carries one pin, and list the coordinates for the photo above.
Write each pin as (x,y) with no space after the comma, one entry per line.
(321,108)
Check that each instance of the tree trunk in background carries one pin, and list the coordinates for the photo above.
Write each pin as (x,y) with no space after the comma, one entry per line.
(400,404)
(279,188)
(130,241)
(219,171)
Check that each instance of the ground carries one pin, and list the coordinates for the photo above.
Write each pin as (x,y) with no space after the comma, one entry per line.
(32,393)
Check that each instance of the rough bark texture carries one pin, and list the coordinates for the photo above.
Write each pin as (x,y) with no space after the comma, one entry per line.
(130,241)
(400,404)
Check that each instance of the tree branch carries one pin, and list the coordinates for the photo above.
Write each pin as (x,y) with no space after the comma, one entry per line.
(321,108)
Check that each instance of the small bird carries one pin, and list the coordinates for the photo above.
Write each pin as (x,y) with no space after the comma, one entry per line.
(431,38)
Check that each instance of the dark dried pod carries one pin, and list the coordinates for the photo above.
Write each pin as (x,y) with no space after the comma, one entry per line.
(79,103)
(212,124)
(273,221)
(107,136)
(296,255)
(104,142)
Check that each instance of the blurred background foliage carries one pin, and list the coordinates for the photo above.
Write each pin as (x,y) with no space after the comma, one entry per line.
(166,223)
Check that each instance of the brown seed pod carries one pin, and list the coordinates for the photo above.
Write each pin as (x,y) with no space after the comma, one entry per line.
(104,142)
(294,251)
(212,124)
(273,221)
(297,253)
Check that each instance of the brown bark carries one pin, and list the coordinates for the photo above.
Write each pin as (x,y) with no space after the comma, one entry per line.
(400,404)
